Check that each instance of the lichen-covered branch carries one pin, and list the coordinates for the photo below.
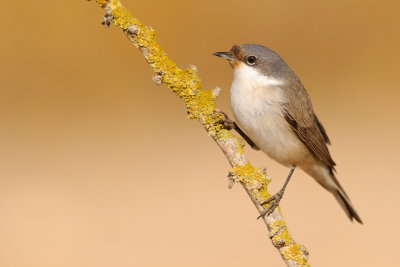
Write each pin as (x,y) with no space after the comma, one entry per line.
(200,106)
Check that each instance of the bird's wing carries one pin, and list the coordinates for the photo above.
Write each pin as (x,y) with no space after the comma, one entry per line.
(300,116)
(322,130)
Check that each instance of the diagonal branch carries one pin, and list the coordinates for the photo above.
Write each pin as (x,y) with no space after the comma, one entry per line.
(200,105)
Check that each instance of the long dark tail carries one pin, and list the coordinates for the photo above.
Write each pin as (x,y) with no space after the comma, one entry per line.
(345,202)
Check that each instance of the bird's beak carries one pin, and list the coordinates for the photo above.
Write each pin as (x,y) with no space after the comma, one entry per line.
(226,55)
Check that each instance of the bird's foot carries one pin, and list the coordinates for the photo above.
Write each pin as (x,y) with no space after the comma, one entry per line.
(274,200)
(224,121)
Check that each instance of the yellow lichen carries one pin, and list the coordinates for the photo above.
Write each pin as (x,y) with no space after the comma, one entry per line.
(295,252)
(253,179)
(223,134)
(279,233)
(122,17)
(276,226)
(102,2)
(114,4)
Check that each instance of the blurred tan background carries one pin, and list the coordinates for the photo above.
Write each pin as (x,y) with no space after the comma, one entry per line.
(100,167)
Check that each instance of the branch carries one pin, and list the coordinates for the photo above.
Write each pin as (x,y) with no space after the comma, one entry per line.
(200,105)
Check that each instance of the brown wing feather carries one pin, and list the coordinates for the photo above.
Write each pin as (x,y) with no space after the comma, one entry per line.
(312,139)
(322,130)
(300,116)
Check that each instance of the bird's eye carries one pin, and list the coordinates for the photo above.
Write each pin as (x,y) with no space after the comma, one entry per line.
(251,60)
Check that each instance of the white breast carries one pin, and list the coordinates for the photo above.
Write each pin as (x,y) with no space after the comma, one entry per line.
(257,104)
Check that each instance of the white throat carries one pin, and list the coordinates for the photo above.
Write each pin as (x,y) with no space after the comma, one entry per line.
(244,72)
(251,89)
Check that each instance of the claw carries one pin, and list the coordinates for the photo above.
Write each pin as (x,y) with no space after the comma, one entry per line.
(275,199)
(225,121)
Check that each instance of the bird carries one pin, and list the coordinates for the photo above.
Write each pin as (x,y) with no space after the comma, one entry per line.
(274,114)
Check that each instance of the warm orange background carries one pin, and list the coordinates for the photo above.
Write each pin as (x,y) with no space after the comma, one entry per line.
(100,167)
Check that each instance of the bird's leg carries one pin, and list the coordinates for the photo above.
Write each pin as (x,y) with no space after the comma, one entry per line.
(275,199)
(230,124)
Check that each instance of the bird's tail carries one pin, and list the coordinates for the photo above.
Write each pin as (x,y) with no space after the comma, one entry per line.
(325,177)
(345,202)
